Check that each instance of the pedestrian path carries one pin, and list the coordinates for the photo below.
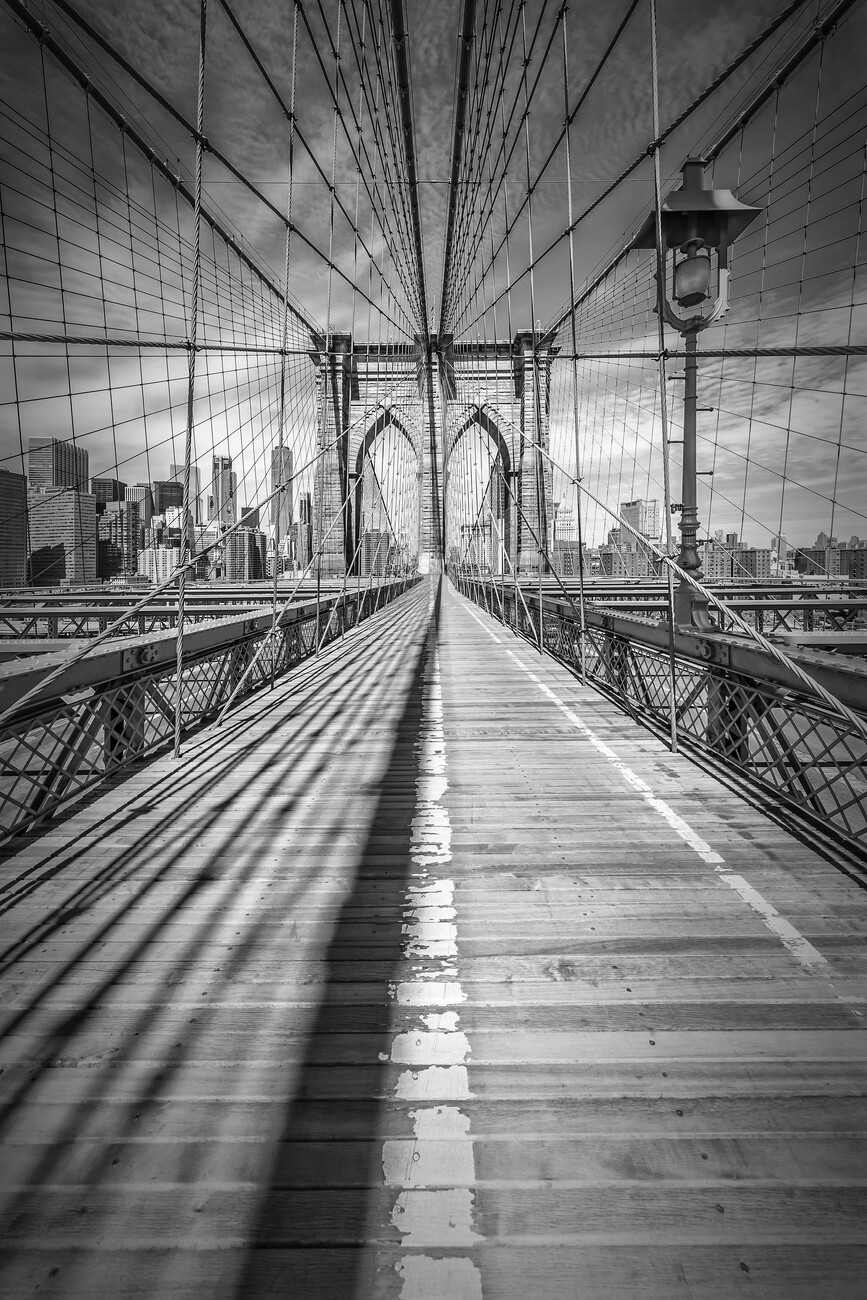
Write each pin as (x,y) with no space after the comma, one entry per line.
(431,975)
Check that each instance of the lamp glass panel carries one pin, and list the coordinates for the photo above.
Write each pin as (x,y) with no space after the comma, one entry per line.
(692,279)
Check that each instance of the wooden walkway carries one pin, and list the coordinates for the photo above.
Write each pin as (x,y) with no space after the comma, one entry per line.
(430,975)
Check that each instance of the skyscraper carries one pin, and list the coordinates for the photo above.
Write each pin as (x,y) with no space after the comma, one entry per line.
(106,489)
(53,463)
(118,539)
(13,529)
(641,515)
(302,530)
(61,512)
(281,506)
(167,495)
(176,473)
(62,536)
(141,494)
(224,482)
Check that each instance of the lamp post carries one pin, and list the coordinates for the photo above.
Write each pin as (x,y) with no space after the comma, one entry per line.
(700,224)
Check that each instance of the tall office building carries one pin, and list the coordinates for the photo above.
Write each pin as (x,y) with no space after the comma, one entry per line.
(62,536)
(158,563)
(143,497)
(224,483)
(53,463)
(281,506)
(118,539)
(13,529)
(302,530)
(641,515)
(176,473)
(167,495)
(167,529)
(244,555)
(106,489)
(374,552)
(566,524)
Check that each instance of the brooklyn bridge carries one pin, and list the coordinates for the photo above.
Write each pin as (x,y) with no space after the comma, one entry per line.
(433,649)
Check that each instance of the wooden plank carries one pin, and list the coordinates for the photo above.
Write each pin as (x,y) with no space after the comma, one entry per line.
(231,987)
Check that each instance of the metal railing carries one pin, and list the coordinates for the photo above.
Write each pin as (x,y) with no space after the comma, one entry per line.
(118,705)
(732,703)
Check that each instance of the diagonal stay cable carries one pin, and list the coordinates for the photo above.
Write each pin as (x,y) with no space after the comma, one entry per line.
(678,121)
(65,59)
(571,114)
(290,115)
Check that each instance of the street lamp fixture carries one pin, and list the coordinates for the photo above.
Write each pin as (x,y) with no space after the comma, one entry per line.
(699,225)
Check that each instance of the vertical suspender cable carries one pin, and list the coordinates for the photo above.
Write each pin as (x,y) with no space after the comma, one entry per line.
(328,361)
(539,469)
(351,529)
(799,319)
(191,380)
(279,508)
(582,628)
(663,411)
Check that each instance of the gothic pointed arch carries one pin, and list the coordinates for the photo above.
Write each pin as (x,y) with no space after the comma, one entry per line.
(385,419)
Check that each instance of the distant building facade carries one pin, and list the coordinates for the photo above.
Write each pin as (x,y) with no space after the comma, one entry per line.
(167,494)
(62,536)
(176,474)
(158,563)
(641,515)
(118,539)
(105,490)
(53,463)
(13,529)
(281,505)
(141,494)
(224,484)
(374,553)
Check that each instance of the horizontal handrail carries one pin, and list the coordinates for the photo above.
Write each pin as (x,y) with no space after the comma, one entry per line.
(118,704)
(734,703)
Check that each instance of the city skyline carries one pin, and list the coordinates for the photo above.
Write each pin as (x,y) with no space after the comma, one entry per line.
(59,532)
(130,411)
(104,544)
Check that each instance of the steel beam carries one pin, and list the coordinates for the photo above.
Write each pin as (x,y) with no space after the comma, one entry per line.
(845,679)
(128,657)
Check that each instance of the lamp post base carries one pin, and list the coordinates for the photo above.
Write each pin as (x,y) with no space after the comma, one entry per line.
(690,607)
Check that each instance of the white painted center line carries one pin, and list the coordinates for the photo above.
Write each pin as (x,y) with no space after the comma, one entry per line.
(435,1168)
(800,948)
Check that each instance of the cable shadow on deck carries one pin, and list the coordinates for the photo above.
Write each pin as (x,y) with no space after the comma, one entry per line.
(228,868)
(313,1228)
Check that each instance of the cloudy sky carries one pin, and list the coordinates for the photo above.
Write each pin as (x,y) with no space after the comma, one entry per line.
(806,420)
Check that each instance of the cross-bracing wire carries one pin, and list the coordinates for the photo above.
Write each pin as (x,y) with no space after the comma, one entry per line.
(724,76)
(815,687)
(47,42)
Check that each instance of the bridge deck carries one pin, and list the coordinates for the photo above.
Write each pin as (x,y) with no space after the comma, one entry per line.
(430,974)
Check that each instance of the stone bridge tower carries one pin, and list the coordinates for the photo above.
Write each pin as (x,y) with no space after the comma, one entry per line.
(497,391)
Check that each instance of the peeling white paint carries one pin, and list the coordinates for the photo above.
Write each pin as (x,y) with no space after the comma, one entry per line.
(434,1083)
(456,1278)
(442,1217)
(423,1048)
(445,1020)
(435,994)
(435,1168)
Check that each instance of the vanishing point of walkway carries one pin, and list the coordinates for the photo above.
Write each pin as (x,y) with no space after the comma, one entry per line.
(430,975)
